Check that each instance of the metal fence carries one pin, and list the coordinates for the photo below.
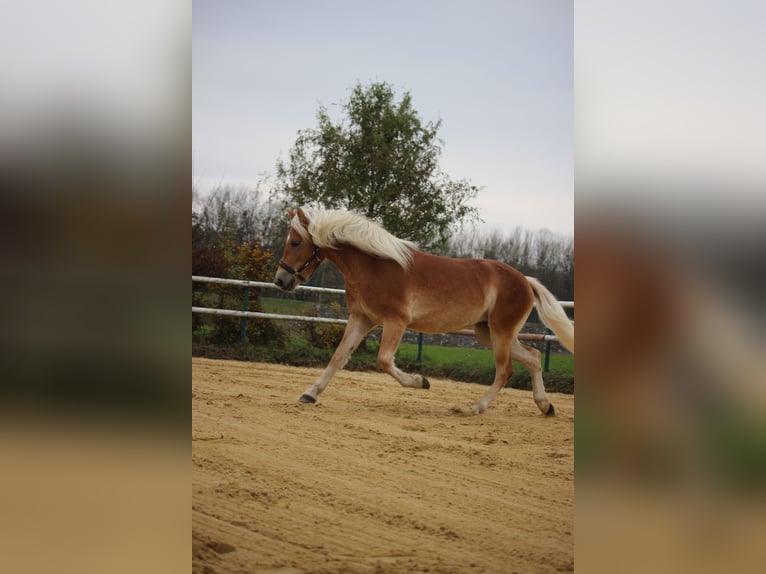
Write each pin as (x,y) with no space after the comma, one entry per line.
(254,314)
(546,337)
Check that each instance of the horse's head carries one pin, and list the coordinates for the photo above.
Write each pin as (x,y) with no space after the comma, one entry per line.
(300,257)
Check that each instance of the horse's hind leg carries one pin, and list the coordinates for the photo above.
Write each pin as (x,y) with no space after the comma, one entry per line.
(481,330)
(530,358)
(356,328)
(389,343)
(500,336)
(527,356)
(501,347)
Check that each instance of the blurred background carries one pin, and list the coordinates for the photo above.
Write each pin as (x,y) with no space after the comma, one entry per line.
(94,179)
(669,281)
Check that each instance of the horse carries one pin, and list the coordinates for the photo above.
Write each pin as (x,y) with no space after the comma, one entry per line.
(389,282)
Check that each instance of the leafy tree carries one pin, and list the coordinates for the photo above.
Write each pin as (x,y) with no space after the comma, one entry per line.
(227,227)
(207,254)
(243,215)
(382,161)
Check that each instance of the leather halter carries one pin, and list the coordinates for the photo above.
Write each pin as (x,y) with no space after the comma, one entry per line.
(297,272)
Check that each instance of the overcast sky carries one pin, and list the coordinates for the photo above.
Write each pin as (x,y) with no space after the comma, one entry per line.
(498,73)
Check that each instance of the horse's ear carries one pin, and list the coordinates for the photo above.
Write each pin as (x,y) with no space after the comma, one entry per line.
(303,219)
(290,213)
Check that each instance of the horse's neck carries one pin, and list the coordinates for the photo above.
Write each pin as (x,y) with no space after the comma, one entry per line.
(350,261)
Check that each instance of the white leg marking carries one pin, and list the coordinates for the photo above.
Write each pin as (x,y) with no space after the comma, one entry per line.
(389,342)
(356,328)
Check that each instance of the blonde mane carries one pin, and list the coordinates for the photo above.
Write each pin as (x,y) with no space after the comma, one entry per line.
(331,228)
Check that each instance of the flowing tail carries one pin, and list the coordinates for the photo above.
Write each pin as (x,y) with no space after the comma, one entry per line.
(553,314)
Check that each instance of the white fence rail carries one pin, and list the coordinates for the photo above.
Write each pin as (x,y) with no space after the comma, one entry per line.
(262,284)
(256,314)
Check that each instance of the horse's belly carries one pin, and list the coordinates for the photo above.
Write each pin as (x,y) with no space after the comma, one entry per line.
(444,321)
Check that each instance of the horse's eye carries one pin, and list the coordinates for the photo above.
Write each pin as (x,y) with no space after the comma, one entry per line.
(295,243)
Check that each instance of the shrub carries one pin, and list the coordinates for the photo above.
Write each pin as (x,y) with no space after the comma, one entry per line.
(324,335)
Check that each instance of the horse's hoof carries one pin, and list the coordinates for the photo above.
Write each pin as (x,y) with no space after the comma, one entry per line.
(307,399)
(477,409)
(426,384)
(551,411)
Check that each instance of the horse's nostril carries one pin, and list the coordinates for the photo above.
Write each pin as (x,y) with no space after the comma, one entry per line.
(278,282)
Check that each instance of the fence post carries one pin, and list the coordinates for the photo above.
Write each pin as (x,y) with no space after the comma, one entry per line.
(245,307)
(547,351)
(420,347)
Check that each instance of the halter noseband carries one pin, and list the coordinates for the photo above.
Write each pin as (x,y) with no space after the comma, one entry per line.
(297,272)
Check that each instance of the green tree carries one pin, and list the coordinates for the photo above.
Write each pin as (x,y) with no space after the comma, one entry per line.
(380,160)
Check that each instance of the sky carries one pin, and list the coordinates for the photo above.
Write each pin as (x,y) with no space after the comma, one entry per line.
(497,73)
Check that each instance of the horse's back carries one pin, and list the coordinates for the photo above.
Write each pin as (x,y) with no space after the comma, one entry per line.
(449,294)
(453,272)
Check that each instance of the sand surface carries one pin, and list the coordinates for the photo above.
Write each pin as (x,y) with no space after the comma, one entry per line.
(375,477)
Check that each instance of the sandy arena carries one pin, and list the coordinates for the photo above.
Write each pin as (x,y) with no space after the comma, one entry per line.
(375,478)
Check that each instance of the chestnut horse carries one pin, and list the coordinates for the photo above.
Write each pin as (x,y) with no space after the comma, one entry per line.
(390,283)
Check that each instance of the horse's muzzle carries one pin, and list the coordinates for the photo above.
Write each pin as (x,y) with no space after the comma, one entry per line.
(285,281)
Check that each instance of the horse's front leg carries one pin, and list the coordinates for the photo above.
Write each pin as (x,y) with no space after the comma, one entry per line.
(389,343)
(356,328)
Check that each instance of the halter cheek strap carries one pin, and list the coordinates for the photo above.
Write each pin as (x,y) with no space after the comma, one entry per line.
(297,272)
